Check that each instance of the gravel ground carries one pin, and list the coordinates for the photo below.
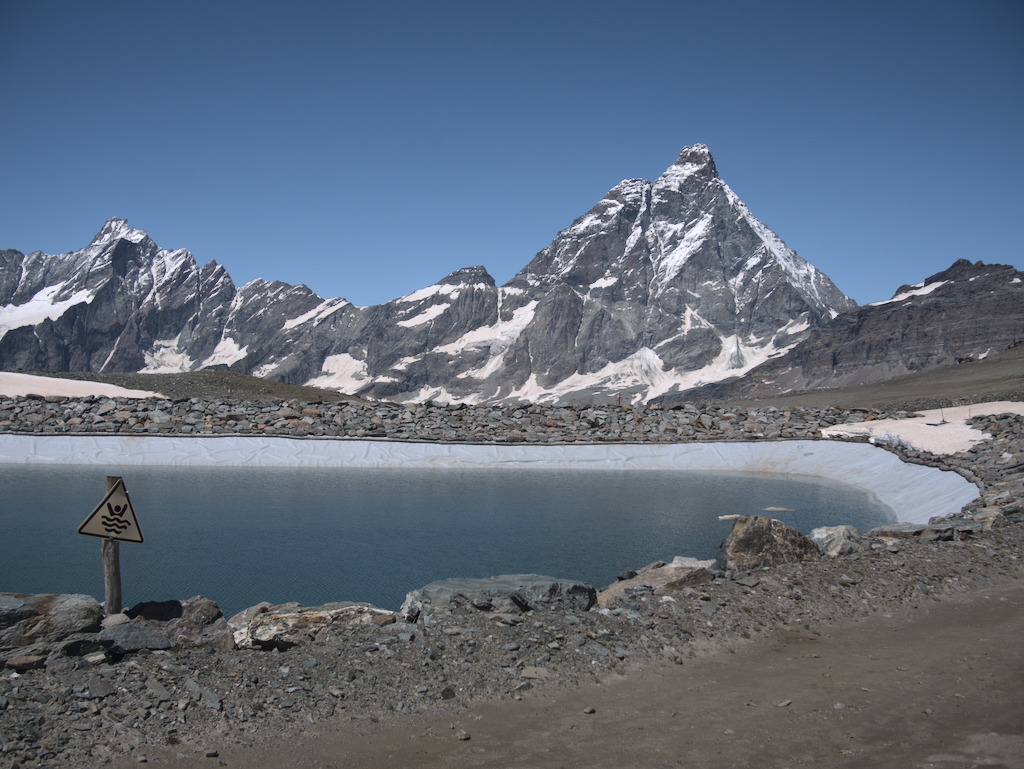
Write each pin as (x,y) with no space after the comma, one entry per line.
(202,702)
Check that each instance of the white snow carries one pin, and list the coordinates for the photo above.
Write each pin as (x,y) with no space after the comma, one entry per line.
(429,291)
(604,282)
(920,289)
(40,307)
(265,370)
(940,431)
(795,326)
(166,358)
(645,369)
(675,175)
(118,229)
(226,352)
(321,311)
(26,384)
(426,316)
(341,372)
(404,363)
(676,243)
(497,336)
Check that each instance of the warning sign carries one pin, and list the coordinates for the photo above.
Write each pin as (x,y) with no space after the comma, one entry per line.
(114,518)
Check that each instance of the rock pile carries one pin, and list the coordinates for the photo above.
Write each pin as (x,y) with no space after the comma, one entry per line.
(97,415)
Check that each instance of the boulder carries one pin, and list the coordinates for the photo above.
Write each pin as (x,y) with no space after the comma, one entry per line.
(196,621)
(25,662)
(756,542)
(239,624)
(505,594)
(991,519)
(660,578)
(835,541)
(26,619)
(132,637)
(282,627)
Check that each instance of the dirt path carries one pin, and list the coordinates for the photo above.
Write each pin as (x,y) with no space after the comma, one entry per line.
(941,686)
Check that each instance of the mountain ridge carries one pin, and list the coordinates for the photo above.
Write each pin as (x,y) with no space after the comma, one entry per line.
(662,285)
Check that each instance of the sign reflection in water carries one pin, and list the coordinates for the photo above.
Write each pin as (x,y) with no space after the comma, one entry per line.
(242,536)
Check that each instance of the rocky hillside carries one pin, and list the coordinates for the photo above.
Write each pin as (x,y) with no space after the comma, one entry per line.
(967,312)
(661,286)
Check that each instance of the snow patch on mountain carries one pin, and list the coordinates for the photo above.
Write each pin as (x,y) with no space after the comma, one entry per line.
(497,336)
(433,311)
(919,289)
(166,357)
(321,311)
(225,353)
(341,372)
(674,251)
(43,306)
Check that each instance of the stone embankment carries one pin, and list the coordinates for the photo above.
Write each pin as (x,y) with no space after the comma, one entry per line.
(97,415)
(179,677)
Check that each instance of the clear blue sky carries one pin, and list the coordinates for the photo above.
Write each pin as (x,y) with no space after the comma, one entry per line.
(369,149)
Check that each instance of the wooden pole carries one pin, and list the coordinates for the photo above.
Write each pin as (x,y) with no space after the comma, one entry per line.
(111,566)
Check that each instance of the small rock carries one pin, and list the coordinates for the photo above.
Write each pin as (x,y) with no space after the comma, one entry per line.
(25,662)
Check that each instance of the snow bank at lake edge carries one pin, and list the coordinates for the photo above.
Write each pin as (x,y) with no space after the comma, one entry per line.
(914,493)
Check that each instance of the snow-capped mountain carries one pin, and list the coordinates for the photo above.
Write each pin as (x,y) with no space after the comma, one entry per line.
(967,311)
(660,287)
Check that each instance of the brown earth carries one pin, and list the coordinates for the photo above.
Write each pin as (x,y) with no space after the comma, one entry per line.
(996,378)
(940,685)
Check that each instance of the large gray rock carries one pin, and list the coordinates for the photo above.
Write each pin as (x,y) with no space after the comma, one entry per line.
(133,637)
(756,542)
(27,619)
(659,578)
(835,541)
(196,621)
(505,594)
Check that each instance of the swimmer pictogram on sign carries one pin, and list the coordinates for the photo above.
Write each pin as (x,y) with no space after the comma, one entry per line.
(114,518)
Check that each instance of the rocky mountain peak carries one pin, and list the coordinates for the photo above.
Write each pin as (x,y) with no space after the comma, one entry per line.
(115,229)
(697,157)
(468,276)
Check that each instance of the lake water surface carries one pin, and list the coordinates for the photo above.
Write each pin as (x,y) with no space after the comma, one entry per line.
(240,536)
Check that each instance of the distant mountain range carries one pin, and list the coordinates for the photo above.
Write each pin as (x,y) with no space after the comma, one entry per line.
(663,290)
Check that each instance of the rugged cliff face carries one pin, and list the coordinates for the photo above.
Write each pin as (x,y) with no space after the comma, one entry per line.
(967,311)
(661,286)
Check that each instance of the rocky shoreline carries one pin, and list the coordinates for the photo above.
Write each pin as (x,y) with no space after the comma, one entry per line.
(90,700)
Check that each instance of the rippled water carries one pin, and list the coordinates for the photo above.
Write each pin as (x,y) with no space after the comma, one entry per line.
(242,536)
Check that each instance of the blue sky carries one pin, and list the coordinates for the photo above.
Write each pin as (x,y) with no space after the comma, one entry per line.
(367,150)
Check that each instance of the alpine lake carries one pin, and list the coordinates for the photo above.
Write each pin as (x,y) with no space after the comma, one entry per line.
(240,536)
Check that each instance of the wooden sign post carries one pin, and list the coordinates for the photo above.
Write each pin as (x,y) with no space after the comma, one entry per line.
(114,522)
(110,552)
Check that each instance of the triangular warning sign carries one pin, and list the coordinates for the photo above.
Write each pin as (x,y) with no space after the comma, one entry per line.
(113,518)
